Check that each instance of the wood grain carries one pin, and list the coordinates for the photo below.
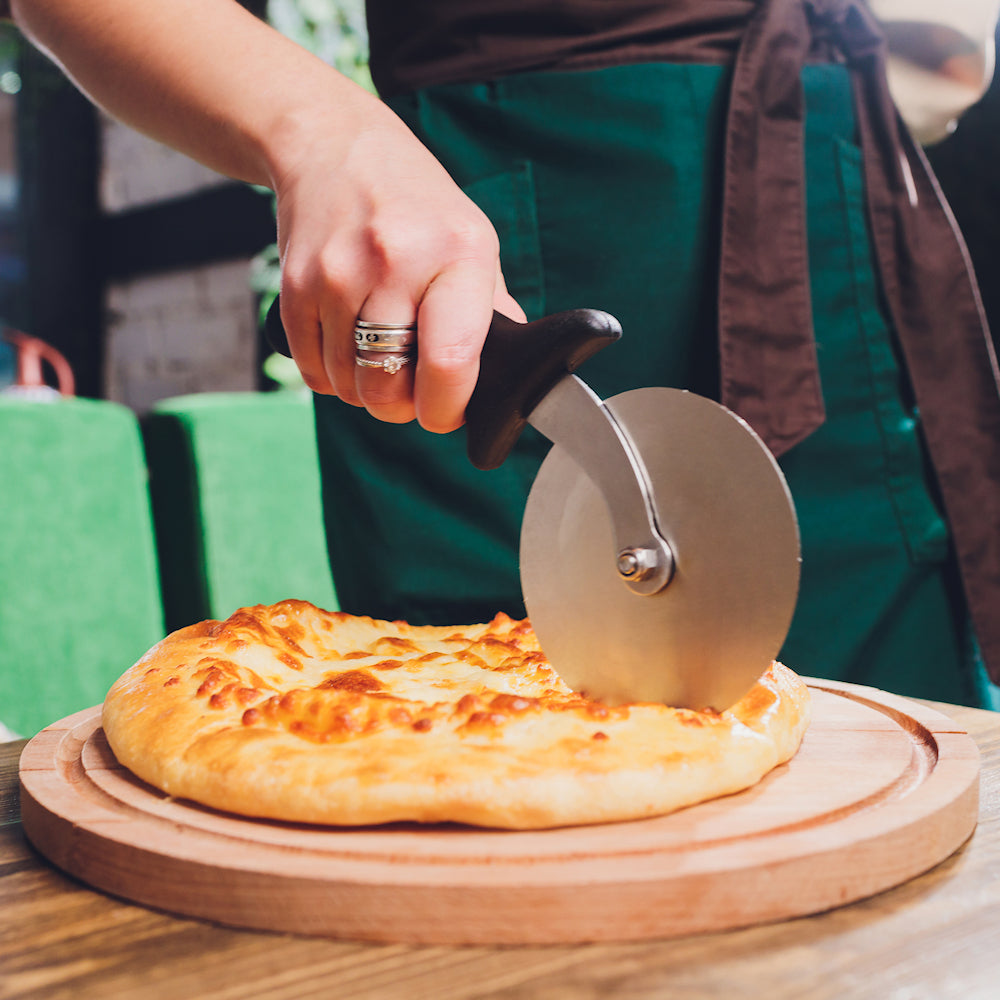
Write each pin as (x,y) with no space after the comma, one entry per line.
(882,790)
(932,938)
(10,753)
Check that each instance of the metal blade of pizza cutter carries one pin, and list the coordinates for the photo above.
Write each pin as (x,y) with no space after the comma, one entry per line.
(719,502)
(659,552)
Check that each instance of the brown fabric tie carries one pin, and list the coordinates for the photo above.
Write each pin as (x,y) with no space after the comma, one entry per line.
(769,366)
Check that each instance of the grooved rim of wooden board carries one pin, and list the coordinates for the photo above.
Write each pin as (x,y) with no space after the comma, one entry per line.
(882,790)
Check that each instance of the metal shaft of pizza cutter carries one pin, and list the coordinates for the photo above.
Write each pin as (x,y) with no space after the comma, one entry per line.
(574,417)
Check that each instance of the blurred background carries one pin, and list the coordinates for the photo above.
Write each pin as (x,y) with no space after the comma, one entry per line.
(144,269)
(157,462)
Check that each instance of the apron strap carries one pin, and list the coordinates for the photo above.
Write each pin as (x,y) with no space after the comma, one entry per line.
(768,354)
(769,373)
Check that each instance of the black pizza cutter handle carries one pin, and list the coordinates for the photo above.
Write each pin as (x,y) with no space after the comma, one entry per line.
(519,365)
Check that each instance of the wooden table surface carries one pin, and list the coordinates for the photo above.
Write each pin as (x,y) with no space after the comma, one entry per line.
(933,938)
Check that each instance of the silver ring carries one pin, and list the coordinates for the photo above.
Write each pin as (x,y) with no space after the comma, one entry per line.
(363,324)
(372,340)
(390,365)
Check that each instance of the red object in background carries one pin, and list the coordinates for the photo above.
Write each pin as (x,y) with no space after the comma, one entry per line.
(31,352)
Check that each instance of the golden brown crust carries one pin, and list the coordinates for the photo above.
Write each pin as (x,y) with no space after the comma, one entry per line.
(294,713)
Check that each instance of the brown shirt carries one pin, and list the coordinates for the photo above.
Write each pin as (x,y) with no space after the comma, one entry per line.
(424,42)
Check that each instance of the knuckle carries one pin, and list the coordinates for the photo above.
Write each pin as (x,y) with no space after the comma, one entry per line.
(388,246)
(394,253)
(473,238)
(445,239)
(294,281)
(327,276)
(337,273)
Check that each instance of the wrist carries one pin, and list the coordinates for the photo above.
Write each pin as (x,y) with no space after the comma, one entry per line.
(322,129)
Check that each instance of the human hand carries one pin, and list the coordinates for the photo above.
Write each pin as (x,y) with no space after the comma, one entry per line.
(375,229)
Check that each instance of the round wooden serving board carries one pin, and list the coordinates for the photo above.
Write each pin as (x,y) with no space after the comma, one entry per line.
(882,790)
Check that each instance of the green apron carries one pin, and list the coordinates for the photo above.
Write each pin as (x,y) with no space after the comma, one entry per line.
(603,187)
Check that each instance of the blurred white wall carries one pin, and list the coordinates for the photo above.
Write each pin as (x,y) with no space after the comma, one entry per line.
(179,331)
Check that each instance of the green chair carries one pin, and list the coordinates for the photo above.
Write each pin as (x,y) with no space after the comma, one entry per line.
(79,589)
(234,481)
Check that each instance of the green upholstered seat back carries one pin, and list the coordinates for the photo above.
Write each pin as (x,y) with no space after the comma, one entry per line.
(236,493)
(79,593)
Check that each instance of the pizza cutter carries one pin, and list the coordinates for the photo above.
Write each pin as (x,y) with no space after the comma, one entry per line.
(659,547)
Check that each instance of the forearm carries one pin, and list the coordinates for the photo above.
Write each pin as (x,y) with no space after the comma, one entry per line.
(370,224)
(203,76)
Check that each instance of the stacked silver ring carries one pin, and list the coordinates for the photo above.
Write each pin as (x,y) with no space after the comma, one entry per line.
(397,341)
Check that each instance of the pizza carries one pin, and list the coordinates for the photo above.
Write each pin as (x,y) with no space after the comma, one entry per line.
(294,713)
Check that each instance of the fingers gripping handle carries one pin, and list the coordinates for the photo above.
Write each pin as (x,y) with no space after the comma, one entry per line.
(519,364)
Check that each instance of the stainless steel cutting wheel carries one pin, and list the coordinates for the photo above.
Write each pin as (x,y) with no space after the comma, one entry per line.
(725,510)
